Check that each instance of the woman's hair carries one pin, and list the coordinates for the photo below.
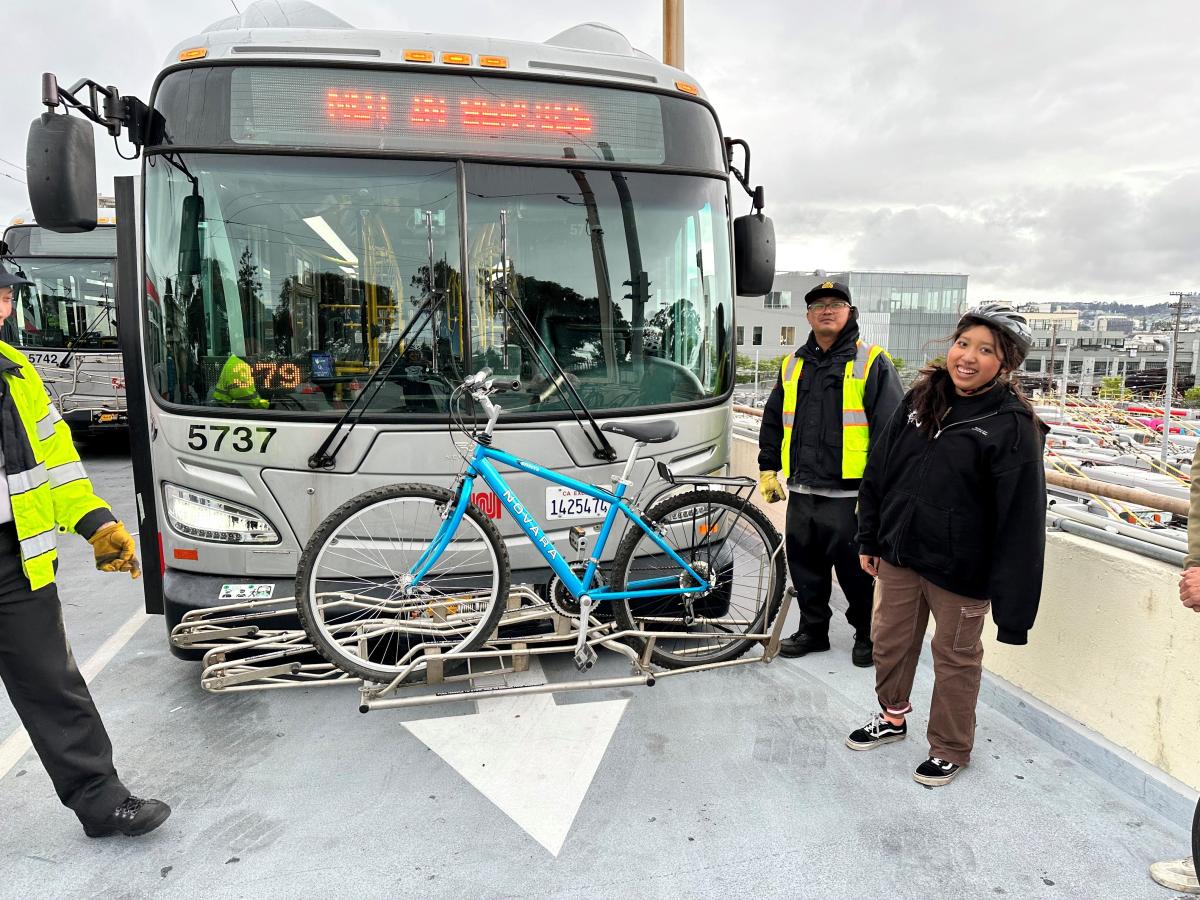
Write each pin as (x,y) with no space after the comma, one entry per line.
(933,392)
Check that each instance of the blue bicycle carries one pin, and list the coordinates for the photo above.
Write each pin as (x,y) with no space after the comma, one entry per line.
(409,572)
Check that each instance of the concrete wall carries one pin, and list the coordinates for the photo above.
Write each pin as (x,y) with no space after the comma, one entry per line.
(1112,648)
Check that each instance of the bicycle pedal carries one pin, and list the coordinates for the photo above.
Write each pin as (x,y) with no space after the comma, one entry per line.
(585,658)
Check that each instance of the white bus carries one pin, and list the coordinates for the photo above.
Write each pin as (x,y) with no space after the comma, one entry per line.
(336,226)
(65,322)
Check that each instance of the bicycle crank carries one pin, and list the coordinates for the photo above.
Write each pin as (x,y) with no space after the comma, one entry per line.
(585,656)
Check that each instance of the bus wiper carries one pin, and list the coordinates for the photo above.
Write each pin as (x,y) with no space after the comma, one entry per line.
(639,279)
(600,263)
(323,458)
(105,309)
(601,448)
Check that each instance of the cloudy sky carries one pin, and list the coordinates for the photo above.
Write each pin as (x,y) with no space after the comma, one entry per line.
(1049,149)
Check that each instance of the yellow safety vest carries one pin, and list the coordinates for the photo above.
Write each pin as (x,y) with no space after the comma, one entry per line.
(54,493)
(855,435)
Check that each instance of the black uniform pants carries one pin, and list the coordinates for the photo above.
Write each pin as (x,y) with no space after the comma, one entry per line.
(49,693)
(820,539)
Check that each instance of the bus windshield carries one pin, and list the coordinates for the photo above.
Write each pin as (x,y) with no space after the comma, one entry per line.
(71,303)
(278,282)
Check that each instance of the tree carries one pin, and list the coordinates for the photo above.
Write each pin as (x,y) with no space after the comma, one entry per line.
(898,362)
(1191,398)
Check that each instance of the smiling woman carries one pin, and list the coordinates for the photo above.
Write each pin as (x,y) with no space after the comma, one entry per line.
(952,522)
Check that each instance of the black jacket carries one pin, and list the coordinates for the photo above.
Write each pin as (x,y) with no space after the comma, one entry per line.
(966,507)
(816,449)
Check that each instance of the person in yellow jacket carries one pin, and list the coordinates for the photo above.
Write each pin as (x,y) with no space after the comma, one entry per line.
(44,491)
(833,393)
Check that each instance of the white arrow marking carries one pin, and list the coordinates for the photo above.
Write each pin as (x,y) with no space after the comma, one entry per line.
(532,758)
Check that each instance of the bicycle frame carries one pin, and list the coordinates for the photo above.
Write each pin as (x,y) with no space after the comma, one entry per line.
(482,465)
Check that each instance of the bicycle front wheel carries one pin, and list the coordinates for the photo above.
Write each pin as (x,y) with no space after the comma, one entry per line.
(727,541)
(355,593)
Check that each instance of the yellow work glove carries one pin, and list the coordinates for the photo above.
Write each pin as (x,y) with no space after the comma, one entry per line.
(114,548)
(770,488)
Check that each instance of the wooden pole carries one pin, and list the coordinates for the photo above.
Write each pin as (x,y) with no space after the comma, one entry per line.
(673,33)
(1137,496)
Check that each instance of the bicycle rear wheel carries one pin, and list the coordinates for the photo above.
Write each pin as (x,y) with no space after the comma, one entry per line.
(731,543)
(353,590)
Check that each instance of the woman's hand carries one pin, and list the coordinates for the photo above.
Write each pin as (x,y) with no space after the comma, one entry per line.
(870,565)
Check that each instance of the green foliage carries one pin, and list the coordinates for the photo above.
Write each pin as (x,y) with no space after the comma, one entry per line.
(1191,398)
(899,363)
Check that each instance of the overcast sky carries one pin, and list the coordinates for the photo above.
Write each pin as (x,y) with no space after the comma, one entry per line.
(1049,149)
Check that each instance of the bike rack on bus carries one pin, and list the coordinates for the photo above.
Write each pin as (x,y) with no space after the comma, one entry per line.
(243,654)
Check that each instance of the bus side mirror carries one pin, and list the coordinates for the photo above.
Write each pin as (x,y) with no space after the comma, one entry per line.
(60,163)
(754,254)
(190,222)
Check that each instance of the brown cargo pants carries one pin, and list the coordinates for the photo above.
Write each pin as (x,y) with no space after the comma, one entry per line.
(903,602)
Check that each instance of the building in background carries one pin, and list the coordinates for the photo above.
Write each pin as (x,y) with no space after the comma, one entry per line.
(909,314)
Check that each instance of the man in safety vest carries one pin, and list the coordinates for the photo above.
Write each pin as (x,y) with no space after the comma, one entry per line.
(44,490)
(833,393)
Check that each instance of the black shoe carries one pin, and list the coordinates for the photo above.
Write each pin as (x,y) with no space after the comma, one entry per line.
(875,733)
(935,772)
(133,817)
(801,643)
(863,652)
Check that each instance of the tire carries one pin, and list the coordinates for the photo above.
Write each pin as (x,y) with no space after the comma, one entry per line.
(1196,836)
(403,622)
(738,604)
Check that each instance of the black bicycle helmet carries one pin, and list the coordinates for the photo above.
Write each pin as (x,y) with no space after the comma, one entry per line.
(1006,318)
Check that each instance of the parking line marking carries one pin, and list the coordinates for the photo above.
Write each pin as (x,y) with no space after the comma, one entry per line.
(17,744)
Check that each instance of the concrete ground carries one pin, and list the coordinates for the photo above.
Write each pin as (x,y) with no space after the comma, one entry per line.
(714,784)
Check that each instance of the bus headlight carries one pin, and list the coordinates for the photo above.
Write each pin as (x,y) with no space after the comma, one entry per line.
(208,518)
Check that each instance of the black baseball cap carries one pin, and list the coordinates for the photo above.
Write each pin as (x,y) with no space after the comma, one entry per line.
(9,280)
(828,289)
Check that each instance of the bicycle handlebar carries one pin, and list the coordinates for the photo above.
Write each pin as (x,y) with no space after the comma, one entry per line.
(482,382)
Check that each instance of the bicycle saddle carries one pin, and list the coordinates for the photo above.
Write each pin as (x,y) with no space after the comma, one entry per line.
(646,432)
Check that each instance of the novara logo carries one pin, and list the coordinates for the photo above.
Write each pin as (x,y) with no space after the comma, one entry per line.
(536,534)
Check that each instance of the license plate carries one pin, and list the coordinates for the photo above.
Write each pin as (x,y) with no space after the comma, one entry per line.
(565,503)
(247,591)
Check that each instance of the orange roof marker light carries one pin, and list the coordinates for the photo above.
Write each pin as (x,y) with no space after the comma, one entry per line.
(494,62)
(688,88)
(456,59)
(422,56)
(194,53)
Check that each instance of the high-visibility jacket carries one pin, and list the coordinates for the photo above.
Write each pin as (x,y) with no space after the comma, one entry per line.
(855,433)
(47,485)
(235,386)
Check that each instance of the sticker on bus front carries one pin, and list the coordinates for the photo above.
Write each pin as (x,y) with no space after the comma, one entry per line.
(247,592)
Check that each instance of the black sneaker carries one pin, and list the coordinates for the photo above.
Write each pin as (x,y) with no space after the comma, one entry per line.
(133,817)
(862,655)
(802,643)
(935,772)
(875,733)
